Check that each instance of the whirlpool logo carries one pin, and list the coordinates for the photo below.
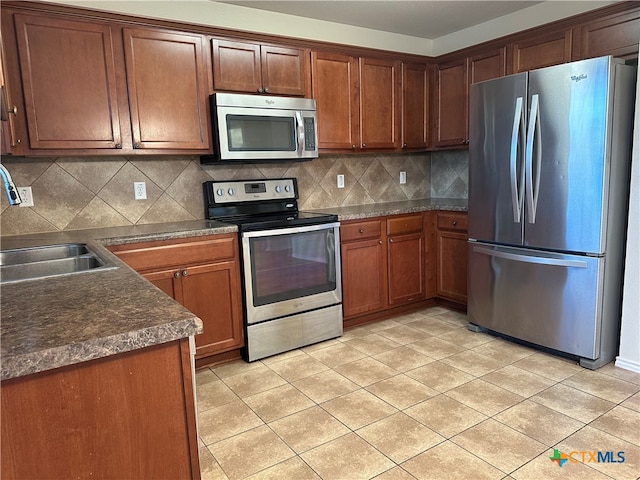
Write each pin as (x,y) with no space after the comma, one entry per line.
(583,456)
(577,78)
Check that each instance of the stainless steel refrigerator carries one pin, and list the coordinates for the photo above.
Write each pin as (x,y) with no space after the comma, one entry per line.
(549,163)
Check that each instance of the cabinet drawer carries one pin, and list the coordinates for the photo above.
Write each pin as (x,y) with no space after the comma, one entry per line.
(360,230)
(145,257)
(405,224)
(452,221)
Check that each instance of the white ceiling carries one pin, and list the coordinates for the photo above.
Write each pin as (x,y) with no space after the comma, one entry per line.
(417,18)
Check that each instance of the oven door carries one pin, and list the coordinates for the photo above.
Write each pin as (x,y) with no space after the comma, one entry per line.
(291,270)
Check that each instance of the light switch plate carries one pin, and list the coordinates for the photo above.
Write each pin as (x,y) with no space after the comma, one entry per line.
(403,178)
(340,181)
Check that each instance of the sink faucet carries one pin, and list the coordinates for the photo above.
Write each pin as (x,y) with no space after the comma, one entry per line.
(10,189)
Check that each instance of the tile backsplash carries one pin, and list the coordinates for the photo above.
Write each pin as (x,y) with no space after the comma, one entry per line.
(88,192)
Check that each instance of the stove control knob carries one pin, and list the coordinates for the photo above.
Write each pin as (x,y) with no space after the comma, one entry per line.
(287,188)
(220,192)
(278,188)
(231,192)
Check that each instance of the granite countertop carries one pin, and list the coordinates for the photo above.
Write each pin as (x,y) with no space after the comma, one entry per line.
(59,321)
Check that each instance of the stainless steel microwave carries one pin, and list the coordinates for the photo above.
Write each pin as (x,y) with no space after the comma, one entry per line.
(255,128)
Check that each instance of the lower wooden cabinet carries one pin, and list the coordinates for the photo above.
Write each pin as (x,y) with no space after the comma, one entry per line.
(382,263)
(130,415)
(451,267)
(203,274)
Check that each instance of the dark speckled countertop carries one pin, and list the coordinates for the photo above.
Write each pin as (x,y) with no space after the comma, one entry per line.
(59,321)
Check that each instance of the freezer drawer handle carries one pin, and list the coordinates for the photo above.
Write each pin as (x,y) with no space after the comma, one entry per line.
(517,131)
(534,127)
(530,259)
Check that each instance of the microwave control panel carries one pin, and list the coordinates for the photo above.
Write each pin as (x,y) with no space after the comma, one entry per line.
(309,134)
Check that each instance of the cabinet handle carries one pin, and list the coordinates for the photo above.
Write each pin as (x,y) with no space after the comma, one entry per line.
(118,145)
(404,145)
(454,223)
(266,90)
(184,273)
(176,275)
(364,145)
(260,90)
(391,240)
(361,230)
(380,242)
(13,110)
(353,146)
(137,145)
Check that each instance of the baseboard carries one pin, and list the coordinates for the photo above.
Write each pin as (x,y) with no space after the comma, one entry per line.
(627,364)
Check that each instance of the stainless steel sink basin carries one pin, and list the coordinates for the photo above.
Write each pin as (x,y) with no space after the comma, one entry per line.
(40,254)
(48,261)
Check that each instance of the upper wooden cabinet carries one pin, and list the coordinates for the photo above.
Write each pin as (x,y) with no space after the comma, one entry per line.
(167,85)
(253,68)
(488,65)
(615,35)
(415,105)
(92,87)
(357,101)
(541,51)
(379,103)
(450,104)
(68,72)
(10,142)
(335,89)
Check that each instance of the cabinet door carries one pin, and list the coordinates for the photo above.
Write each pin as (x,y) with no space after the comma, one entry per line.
(212,292)
(415,105)
(364,284)
(451,104)
(167,86)
(168,281)
(236,66)
(405,266)
(285,71)
(335,89)
(69,83)
(541,51)
(10,142)
(615,35)
(379,103)
(452,266)
(488,65)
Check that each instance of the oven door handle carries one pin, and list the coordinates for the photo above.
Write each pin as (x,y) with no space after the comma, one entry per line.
(285,231)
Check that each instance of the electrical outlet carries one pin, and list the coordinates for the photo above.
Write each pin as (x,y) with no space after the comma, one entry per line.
(340,181)
(403,178)
(26,196)
(140,190)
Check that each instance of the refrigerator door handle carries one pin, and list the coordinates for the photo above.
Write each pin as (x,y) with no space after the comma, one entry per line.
(517,188)
(558,262)
(533,188)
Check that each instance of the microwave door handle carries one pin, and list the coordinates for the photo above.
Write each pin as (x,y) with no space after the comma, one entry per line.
(300,129)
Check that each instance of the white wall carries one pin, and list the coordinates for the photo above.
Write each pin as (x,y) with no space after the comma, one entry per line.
(206,12)
(629,356)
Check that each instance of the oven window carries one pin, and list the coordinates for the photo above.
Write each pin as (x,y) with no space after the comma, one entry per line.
(294,265)
(248,133)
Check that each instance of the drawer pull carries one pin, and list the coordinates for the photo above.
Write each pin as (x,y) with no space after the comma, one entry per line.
(380,242)
(361,230)
(454,223)
(391,240)
(184,273)
(176,275)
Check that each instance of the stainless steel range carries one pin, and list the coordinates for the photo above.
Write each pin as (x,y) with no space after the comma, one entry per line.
(290,264)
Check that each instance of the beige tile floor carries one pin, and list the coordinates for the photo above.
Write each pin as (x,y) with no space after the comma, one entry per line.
(416,397)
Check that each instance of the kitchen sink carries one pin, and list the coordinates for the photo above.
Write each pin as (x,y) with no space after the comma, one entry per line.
(48,261)
(40,254)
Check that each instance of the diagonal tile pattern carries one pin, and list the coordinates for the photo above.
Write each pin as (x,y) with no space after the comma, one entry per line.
(88,192)
(375,404)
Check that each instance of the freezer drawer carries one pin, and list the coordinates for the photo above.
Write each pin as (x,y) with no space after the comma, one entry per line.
(549,299)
